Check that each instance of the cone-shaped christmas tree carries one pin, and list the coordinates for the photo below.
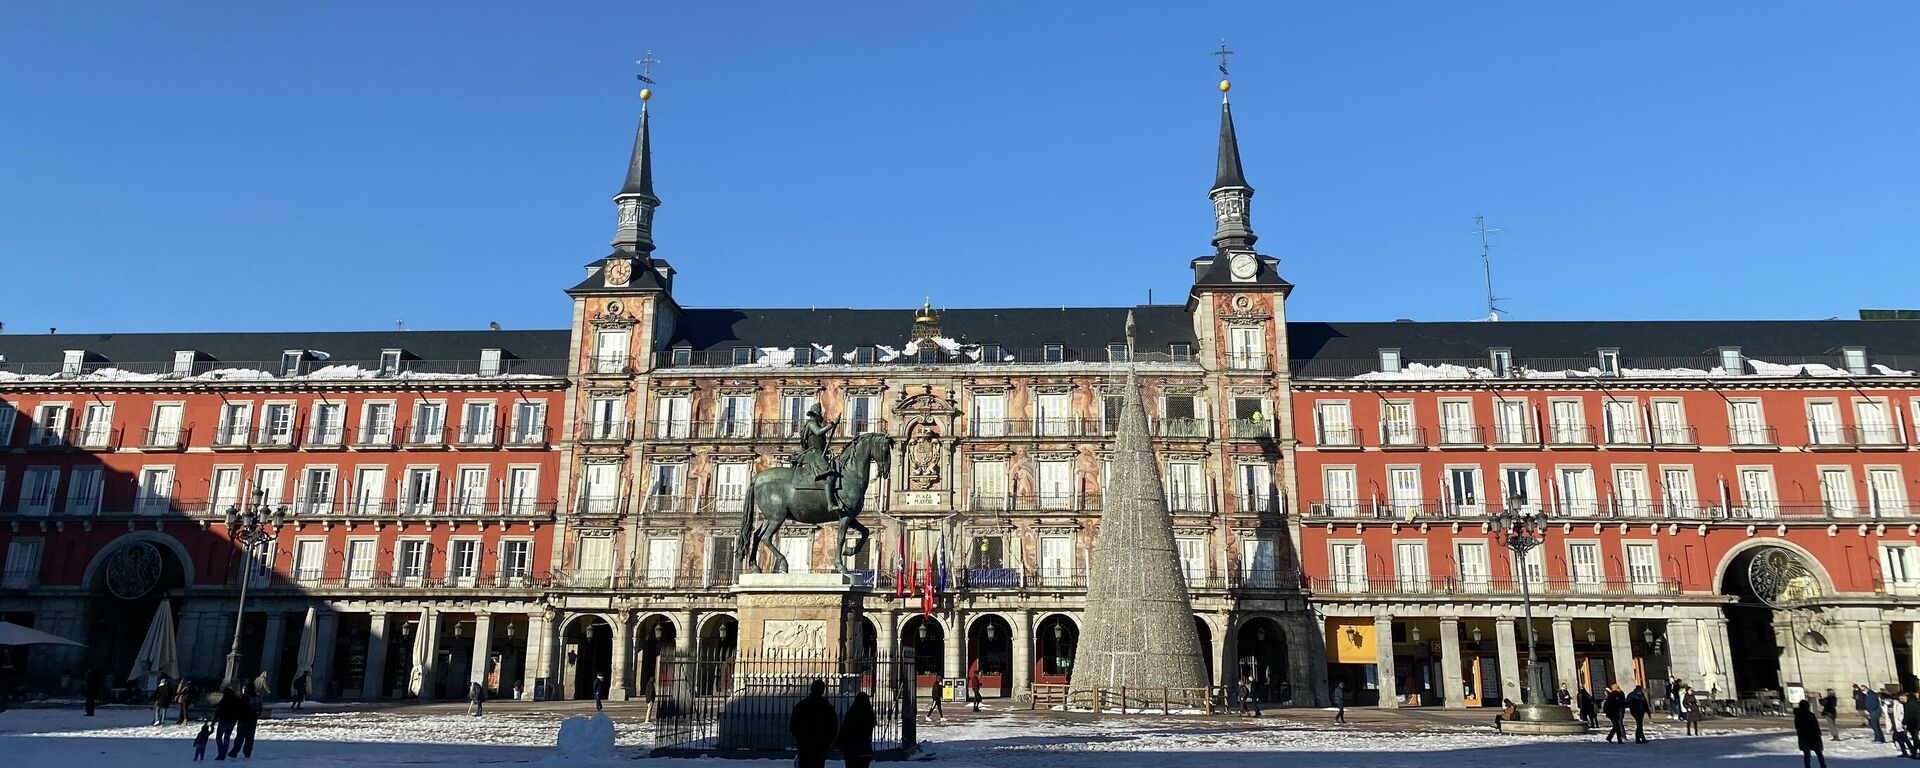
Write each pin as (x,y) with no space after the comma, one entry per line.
(1139,630)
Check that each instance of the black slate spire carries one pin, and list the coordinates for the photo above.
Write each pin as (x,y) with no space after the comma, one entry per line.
(1232,198)
(640,167)
(1228,173)
(636,200)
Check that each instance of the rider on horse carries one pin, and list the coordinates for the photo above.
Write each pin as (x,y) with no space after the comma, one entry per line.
(814,459)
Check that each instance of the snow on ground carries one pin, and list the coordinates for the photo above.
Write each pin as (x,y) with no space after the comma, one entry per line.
(120,736)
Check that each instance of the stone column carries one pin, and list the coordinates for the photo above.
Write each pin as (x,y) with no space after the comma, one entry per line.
(1620,638)
(618,687)
(688,641)
(326,626)
(270,653)
(956,648)
(1383,660)
(1451,676)
(536,658)
(376,671)
(1566,668)
(886,648)
(1022,653)
(482,648)
(430,661)
(1503,641)
(1876,640)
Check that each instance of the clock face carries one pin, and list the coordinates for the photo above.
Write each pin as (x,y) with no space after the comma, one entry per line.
(1244,265)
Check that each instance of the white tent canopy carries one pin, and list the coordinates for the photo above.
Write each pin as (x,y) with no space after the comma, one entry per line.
(159,654)
(14,634)
(304,658)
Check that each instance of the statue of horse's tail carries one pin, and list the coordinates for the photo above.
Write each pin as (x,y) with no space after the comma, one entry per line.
(743,549)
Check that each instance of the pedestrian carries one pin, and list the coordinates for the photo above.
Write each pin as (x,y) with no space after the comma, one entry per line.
(933,707)
(1249,699)
(1895,713)
(1588,713)
(599,691)
(1807,728)
(1872,708)
(226,715)
(856,732)
(1690,711)
(250,702)
(1675,689)
(200,742)
(1340,703)
(184,698)
(973,688)
(300,685)
(1860,701)
(1910,722)
(1563,698)
(1639,707)
(1830,710)
(476,698)
(1615,708)
(813,726)
(1507,713)
(1286,693)
(92,683)
(162,698)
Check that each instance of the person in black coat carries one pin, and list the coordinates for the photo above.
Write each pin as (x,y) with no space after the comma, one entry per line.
(1910,722)
(1615,708)
(856,732)
(599,691)
(1807,728)
(226,715)
(300,685)
(1589,714)
(93,690)
(1639,707)
(813,726)
(184,698)
(249,720)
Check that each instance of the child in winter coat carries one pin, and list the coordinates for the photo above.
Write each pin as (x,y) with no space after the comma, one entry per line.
(200,742)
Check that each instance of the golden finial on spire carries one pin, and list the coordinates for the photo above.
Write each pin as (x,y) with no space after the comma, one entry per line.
(1223,53)
(646,75)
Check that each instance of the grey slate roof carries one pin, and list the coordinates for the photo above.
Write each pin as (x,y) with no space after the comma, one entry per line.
(1025,328)
(130,348)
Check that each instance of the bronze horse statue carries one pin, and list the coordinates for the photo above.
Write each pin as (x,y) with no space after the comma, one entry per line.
(773,496)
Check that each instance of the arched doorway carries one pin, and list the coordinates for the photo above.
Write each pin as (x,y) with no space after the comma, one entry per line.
(928,641)
(130,580)
(1056,640)
(1761,578)
(1205,634)
(586,653)
(658,638)
(1261,653)
(990,655)
(719,638)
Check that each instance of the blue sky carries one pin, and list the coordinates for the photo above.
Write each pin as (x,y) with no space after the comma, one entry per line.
(345,165)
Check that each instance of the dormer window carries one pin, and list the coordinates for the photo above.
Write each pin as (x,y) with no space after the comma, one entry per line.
(803,354)
(1855,360)
(1180,352)
(1389,361)
(1731,360)
(72,361)
(927,355)
(1501,359)
(1609,362)
(290,362)
(992,353)
(681,357)
(1054,353)
(742,355)
(863,355)
(389,362)
(489,362)
(183,362)
(1116,353)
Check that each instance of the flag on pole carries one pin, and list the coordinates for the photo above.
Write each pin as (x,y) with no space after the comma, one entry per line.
(926,595)
(912,568)
(900,567)
(944,563)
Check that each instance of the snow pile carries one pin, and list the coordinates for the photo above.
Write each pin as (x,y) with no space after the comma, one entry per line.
(1443,371)
(586,737)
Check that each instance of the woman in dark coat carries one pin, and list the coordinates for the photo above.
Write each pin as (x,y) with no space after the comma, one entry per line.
(856,732)
(1807,728)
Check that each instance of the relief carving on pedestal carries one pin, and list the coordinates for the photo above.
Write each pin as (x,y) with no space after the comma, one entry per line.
(793,637)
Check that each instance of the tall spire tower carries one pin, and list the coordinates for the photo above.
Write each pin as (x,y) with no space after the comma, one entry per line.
(1232,197)
(636,201)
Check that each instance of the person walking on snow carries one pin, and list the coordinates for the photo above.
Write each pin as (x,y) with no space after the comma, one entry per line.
(813,726)
(476,698)
(1588,714)
(1895,713)
(1690,711)
(1615,708)
(1248,700)
(162,698)
(184,698)
(599,691)
(856,732)
(974,696)
(226,715)
(1639,707)
(1871,708)
(300,685)
(1910,722)
(1340,703)
(1830,711)
(200,742)
(1807,730)
(934,708)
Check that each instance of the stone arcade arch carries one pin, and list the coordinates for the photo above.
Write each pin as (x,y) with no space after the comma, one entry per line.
(990,655)
(126,581)
(926,637)
(659,637)
(586,650)
(1056,639)
(1768,646)
(1260,652)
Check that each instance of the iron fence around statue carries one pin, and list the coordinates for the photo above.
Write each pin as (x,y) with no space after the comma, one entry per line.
(719,704)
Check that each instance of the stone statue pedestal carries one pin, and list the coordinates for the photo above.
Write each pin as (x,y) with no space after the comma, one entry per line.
(798,615)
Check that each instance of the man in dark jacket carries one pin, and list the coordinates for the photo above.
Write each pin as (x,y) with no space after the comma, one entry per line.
(1615,708)
(1806,730)
(599,691)
(249,710)
(226,714)
(1589,713)
(184,697)
(1638,706)
(476,698)
(93,690)
(1910,722)
(813,726)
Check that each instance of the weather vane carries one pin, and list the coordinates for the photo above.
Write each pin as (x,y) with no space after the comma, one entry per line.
(1223,53)
(646,67)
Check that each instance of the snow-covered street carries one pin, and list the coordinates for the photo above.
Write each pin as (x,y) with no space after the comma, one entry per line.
(1016,739)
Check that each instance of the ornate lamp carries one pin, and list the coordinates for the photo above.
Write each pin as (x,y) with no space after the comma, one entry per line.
(251,528)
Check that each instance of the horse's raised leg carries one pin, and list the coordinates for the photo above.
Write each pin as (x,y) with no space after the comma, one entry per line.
(864,534)
(840,546)
(771,536)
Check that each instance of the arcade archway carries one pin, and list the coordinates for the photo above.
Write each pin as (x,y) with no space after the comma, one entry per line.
(1056,639)
(586,654)
(990,655)
(128,582)
(927,639)
(1261,654)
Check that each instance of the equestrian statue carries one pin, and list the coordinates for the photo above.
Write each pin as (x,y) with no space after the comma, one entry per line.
(815,488)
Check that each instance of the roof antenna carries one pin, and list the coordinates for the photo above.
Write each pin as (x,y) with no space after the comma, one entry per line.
(399,325)
(1486,267)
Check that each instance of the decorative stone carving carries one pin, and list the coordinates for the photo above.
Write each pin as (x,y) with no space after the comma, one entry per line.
(133,570)
(790,637)
(923,461)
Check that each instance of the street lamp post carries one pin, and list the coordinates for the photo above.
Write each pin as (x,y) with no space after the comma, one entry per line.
(1521,532)
(252,528)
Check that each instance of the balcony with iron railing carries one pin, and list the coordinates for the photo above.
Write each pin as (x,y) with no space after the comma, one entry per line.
(1515,434)
(599,431)
(1242,361)
(232,436)
(329,579)
(1675,436)
(272,437)
(476,436)
(1575,508)
(1062,501)
(1839,437)
(526,437)
(324,437)
(1569,434)
(170,439)
(1400,436)
(1412,586)
(1621,435)
(1462,436)
(609,365)
(599,505)
(424,435)
(91,437)
(1337,436)
(1752,436)
(371,438)
(1250,429)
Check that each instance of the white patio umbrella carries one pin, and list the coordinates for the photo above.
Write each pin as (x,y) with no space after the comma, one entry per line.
(417,679)
(1709,660)
(304,659)
(14,634)
(159,654)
